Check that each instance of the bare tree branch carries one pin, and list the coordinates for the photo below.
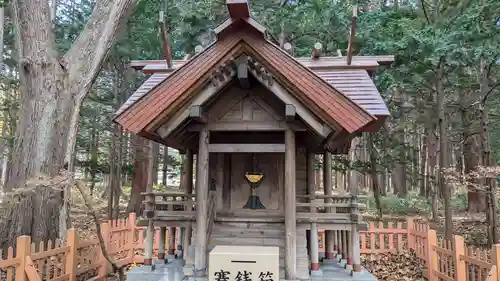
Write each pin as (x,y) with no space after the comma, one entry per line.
(90,206)
(84,59)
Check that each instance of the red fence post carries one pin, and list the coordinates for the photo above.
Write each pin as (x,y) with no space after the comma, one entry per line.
(106,267)
(132,218)
(72,257)
(458,251)
(23,244)
(495,258)
(431,259)
(409,236)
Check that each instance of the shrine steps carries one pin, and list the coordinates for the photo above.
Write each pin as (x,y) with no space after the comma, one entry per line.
(258,234)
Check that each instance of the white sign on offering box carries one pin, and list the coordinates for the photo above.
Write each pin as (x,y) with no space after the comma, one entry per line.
(243,263)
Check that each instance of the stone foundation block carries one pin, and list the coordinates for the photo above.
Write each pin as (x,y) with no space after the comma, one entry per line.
(316,273)
(339,257)
(327,261)
(188,270)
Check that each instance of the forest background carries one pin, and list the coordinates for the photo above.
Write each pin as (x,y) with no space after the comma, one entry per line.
(65,71)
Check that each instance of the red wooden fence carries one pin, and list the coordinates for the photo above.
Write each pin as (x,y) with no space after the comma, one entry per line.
(443,260)
(78,259)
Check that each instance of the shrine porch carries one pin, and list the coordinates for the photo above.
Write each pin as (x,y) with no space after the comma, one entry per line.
(173,271)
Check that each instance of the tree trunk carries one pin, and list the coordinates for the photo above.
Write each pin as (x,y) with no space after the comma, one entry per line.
(385,172)
(476,198)
(490,177)
(125,157)
(34,212)
(400,169)
(53,13)
(432,156)
(423,164)
(110,189)
(353,174)
(116,183)
(165,166)
(4,144)
(140,177)
(184,172)
(374,173)
(156,160)
(52,88)
(94,142)
(443,151)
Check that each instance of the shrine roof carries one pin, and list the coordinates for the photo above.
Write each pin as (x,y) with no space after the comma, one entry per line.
(339,93)
(356,84)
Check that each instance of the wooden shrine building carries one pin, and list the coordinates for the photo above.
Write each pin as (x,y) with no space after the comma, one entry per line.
(255,117)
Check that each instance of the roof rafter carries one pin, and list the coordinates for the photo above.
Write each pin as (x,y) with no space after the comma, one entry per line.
(209,91)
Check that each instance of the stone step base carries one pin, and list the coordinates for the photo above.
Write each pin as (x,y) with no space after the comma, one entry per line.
(256,234)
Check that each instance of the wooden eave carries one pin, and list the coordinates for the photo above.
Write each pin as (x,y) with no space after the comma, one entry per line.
(326,63)
(328,103)
(149,112)
(173,92)
(230,21)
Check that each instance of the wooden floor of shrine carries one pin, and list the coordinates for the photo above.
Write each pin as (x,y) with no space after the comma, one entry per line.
(172,271)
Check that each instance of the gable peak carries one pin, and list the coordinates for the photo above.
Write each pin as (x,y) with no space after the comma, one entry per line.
(238,9)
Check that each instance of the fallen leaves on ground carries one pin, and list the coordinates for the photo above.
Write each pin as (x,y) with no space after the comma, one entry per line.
(402,266)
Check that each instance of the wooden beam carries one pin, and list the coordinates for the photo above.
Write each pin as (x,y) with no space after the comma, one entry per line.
(288,48)
(204,95)
(247,147)
(326,61)
(290,209)
(202,182)
(353,34)
(243,75)
(239,126)
(238,9)
(196,112)
(327,189)
(318,126)
(290,112)
(316,51)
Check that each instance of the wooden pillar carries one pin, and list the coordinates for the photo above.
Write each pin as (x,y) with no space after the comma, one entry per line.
(150,200)
(313,234)
(348,247)
(335,246)
(344,244)
(356,253)
(180,239)
(202,182)
(327,183)
(188,188)
(161,244)
(148,251)
(355,248)
(314,248)
(339,241)
(171,240)
(290,210)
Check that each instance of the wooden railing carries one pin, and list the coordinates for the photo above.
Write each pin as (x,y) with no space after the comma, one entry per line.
(313,207)
(443,260)
(180,206)
(77,259)
(168,204)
